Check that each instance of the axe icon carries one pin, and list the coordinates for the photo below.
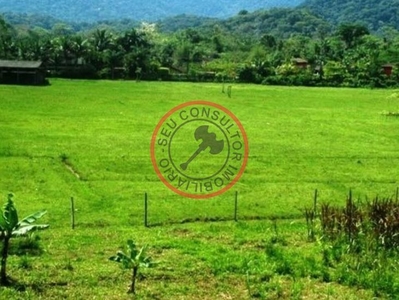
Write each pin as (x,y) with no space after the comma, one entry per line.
(208,140)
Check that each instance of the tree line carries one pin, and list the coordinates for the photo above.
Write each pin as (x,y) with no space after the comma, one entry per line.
(372,13)
(95,10)
(348,55)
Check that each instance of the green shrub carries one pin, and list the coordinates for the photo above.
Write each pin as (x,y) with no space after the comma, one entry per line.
(11,226)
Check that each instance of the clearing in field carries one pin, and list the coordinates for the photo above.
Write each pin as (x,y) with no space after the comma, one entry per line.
(90,140)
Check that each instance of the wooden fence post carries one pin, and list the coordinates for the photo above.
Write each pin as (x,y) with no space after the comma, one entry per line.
(72,213)
(316,194)
(235,206)
(145,210)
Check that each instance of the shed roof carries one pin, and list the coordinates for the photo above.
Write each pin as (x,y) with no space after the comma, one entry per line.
(299,60)
(20,64)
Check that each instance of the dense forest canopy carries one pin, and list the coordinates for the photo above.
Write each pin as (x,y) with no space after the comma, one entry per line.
(277,46)
(96,10)
(372,13)
(282,22)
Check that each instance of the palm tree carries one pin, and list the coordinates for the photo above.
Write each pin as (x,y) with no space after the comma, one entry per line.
(79,48)
(184,55)
(113,59)
(7,45)
(100,42)
(133,39)
(55,50)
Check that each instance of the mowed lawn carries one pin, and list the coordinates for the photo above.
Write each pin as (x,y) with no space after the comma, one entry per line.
(300,139)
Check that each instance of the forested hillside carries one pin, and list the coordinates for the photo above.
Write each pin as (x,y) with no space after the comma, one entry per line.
(281,22)
(39,22)
(95,10)
(278,22)
(373,13)
(306,18)
(292,46)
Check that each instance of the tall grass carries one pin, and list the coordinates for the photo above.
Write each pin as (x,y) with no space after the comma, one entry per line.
(374,222)
(361,243)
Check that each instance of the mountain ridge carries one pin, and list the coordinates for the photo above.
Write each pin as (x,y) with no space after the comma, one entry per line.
(92,11)
(372,13)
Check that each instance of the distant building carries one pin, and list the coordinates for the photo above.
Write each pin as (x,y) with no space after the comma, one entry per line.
(300,63)
(22,72)
(387,69)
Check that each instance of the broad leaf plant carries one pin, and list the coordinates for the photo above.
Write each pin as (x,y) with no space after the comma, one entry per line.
(11,226)
(134,259)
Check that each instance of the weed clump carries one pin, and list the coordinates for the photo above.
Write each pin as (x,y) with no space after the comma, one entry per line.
(360,243)
(370,226)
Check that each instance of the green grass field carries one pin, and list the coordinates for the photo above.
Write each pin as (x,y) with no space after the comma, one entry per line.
(300,139)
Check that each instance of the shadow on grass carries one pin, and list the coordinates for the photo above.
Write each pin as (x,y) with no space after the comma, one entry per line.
(223,219)
(37,287)
(29,245)
(391,114)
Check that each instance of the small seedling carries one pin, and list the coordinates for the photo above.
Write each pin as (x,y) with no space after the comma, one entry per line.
(134,259)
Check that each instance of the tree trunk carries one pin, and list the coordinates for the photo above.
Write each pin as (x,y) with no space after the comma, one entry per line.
(134,276)
(188,66)
(4,255)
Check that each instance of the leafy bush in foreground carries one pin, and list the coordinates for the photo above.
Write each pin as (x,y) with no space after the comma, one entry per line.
(11,227)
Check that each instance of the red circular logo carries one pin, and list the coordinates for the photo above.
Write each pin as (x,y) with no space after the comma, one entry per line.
(199,149)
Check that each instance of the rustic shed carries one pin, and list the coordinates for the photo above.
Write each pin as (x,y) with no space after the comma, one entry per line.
(22,72)
(299,62)
(387,69)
